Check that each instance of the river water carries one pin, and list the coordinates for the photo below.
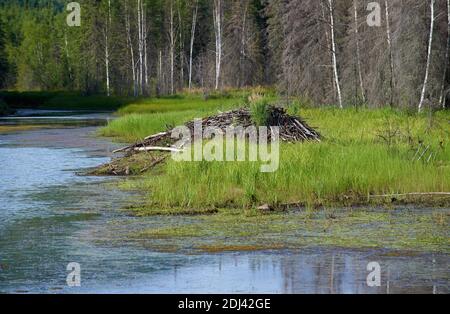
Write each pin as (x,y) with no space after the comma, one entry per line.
(50,217)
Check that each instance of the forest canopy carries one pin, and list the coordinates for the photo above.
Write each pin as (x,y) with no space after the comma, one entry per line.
(322,51)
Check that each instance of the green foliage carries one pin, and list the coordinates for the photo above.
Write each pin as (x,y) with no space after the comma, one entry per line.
(63,100)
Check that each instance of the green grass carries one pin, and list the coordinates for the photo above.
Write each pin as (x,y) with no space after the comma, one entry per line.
(180,103)
(259,111)
(151,116)
(363,153)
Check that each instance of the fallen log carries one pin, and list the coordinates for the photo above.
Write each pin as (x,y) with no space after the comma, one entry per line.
(412,194)
(158,149)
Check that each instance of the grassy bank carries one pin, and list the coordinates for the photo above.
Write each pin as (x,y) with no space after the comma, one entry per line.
(149,116)
(211,206)
(364,153)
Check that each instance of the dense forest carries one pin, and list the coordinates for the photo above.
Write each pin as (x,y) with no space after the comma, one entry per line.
(343,52)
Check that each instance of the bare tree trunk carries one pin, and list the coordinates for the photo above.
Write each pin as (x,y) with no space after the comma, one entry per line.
(172,49)
(141,47)
(390,51)
(243,44)
(107,27)
(327,37)
(218,34)
(130,44)
(66,42)
(144,39)
(160,74)
(333,48)
(443,96)
(191,50)
(430,43)
(358,52)
(181,39)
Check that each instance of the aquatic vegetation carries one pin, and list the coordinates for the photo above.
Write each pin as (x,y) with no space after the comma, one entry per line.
(230,230)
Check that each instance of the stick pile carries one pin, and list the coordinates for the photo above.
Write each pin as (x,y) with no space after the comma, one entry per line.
(292,129)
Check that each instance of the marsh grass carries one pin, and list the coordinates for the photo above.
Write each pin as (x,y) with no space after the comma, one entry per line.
(151,116)
(259,111)
(353,162)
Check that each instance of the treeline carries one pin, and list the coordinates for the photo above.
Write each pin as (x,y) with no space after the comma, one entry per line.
(324,51)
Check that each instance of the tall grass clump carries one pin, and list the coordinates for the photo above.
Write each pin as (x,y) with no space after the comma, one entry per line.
(259,111)
(309,173)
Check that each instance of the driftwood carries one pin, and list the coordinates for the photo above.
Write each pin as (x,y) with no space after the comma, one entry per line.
(412,194)
(157,149)
(292,129)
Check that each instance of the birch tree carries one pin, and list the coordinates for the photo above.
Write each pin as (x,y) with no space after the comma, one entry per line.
(333,49)
(172,39)
(130,48)
(427,69)
(390,51)
(107,55)
(191,48)
(358,51)
(218,31)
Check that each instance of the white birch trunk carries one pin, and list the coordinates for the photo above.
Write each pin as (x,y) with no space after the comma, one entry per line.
(443,96)
(107,27)
(427,70)
(191,50)
(160,71)
(243,46)
(218,35)
(140,48)
(358,52)
(327,37)
(172,49)
(390,51)
(66,42)
(181,39)
(333,48)
(130,46)
(144,38)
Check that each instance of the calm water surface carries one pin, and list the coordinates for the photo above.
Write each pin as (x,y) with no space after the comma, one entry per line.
(49,217)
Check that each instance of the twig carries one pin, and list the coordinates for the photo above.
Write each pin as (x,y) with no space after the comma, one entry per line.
(158,149)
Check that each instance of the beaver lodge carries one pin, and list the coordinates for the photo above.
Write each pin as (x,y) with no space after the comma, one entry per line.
(291,129)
